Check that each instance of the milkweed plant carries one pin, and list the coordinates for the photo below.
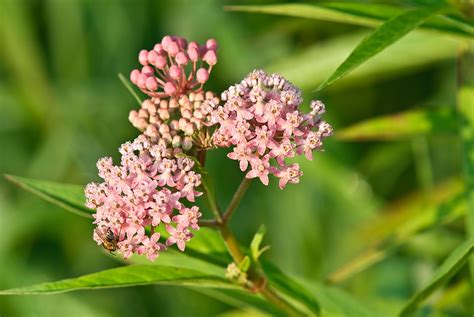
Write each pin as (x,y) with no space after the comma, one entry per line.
(159,197)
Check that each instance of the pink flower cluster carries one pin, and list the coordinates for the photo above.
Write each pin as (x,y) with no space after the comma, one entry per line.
(176,120)
(262,121)
(174,67)
(145,191)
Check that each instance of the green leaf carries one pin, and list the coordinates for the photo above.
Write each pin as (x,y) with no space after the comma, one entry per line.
(126,276)
(315,63)
(402,125)
(400,222)
(290,287)
(244,265)
(256,241)
(364,14)
(67,196)
(442,274)
(387,34)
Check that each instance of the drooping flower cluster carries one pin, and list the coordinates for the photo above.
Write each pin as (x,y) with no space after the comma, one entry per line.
(174,67)
(146,190)
(175,120)
(262,121)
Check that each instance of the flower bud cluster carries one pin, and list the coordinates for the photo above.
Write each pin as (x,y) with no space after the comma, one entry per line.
(174,67)
(145,191)
(174,121)
(261,120)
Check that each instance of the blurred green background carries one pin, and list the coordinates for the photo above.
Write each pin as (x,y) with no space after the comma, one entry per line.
(62,107)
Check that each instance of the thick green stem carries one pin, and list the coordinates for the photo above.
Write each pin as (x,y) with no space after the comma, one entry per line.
(466,113)
(237,254)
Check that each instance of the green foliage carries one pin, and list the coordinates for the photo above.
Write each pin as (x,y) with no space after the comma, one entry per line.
(384,36)
(403,125)
(255,250)
(449,267)
(364,14)
(357,203)
(69,197)
(131,275)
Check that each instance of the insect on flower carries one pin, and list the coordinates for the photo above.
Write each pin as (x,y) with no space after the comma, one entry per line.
(109,239)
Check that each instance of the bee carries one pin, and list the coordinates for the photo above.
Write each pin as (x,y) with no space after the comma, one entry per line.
(109,240)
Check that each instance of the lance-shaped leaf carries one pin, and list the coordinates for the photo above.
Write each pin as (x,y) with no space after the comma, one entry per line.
(363,14)
(131,275)
(387,34)
(450,266)
(67,196)
(402,125)
(291,288)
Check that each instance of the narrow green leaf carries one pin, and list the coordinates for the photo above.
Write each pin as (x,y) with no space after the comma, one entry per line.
(126,276)
(442,274)
(315,63)
(363,14)
(67,196)
(244,265)
(387,34)
(256,241)
(290,287)
(127,85)
(402,125)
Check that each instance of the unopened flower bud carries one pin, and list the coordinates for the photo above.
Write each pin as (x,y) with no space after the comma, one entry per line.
(160,62)
(211,44)
(176,142)
(189,129)
(175,72)
(143,113)
(143,57)
(187,143)
(210,58)
(151,84)
(181,58)
(170,88)
(164,114)
(134,76)
(202,75)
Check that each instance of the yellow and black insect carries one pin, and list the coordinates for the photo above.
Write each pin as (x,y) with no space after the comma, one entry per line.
(109,240)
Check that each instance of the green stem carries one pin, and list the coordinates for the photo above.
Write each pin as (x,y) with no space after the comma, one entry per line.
(244,185)
(465,100)
(237,254)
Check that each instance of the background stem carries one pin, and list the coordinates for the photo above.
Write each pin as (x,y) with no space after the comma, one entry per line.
(465,101)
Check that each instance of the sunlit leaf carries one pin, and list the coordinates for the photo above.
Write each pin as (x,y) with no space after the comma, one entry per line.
(126,276)
(387,34)
(67,196)
(315,63)
(402,125)
(364,14)
(442,274)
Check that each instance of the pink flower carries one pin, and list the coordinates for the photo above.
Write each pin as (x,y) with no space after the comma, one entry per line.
(260,169)
(174,67)
(289,174)
(262,122)
(145,191)
(151,247)
(178,235)
(243,154)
